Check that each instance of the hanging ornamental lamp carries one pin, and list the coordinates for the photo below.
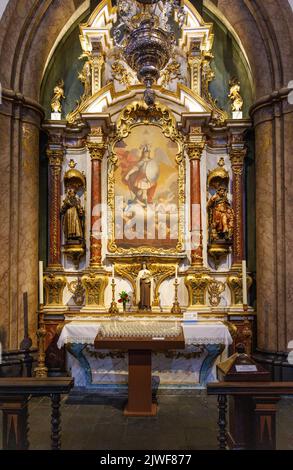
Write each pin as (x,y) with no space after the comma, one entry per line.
(145,35)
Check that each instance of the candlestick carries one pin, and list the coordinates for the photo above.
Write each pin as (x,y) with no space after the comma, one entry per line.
(41,282)
(41,371)
(25,314)
(113,310)
(244,282)
(176,306)
(26,343)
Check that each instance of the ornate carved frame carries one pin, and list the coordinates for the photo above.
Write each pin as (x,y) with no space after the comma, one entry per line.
(139,114)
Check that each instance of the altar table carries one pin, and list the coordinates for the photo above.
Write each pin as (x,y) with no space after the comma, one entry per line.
(140,350)
(194,366)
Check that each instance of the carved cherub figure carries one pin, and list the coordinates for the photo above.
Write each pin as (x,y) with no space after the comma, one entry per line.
(235,97)
(58,96)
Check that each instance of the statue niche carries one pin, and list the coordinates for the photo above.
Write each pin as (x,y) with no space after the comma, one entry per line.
(73,215)
(144,289)
(220,214)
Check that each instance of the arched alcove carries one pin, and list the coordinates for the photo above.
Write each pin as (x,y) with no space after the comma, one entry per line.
(28,34)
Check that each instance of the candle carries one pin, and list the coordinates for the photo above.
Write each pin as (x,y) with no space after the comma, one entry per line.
(113,271)
(41,286)
(176,271)
(25,314)
(244,283)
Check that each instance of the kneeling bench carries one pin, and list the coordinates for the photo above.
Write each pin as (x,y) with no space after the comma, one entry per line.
(15,393)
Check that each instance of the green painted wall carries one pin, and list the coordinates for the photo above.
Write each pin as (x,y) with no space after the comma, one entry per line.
(228,62)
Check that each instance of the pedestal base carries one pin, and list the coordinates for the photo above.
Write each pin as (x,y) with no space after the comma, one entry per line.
(152,412)
(56,116)
(237,115)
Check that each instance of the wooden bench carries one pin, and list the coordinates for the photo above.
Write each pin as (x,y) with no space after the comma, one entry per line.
(259,402)
(15,393)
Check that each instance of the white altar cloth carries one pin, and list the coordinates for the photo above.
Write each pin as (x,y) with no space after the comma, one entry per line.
(200,333)
(206,343)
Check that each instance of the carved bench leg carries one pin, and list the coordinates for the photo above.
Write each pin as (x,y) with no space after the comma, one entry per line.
(222,422)
(55,423)
(15,422)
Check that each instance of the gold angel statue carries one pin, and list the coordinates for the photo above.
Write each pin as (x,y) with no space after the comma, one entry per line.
(85,76)
(58,96)
(235,97)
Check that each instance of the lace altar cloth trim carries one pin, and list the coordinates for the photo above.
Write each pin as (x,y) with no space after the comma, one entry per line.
(140,330)
(200,333)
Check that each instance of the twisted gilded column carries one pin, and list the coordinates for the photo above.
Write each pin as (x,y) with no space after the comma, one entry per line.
(55,156)
(97,146)
(237,156)
(195,146)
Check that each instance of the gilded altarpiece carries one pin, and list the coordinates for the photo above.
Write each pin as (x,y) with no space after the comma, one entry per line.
(159,185)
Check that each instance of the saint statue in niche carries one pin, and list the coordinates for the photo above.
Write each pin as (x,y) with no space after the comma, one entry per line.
(221,216)
(144,288)
(73,217)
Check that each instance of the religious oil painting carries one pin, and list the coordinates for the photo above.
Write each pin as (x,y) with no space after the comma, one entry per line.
(146,190)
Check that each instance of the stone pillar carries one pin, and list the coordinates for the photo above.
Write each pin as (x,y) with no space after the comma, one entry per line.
(55,156)
(19,175)
(97,146)
(273,121)
(237,156)
(195,146)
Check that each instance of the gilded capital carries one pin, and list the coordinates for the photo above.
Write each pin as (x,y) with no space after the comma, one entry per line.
(94,286)
(195,144)
(197,285)
(54,287)
(96,150)
(237,156)
(55,157)
(235,283)
(96,144)
(194,151)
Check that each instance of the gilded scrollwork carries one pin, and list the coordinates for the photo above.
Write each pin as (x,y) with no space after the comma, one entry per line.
(94,285)
(215,289)
(197,285)
(136,114)
(159,272)
(235,283)
(78,291)
(121,74)
(171,72)
(54,286)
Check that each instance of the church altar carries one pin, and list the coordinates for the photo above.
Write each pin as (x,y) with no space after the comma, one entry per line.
(145,208)
(205,344)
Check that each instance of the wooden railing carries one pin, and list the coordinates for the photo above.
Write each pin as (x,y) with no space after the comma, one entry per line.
(15,393)
(256,406)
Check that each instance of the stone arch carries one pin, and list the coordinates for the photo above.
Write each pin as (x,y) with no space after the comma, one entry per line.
(28,31)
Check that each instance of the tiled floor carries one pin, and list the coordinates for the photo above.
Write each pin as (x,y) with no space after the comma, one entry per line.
(183,422)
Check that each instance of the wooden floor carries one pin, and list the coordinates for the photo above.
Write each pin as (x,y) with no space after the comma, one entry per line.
(183,422)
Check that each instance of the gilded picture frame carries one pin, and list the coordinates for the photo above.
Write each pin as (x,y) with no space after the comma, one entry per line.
(132,116)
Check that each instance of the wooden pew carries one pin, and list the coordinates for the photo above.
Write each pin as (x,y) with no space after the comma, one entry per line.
(260,415)
(15,393)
